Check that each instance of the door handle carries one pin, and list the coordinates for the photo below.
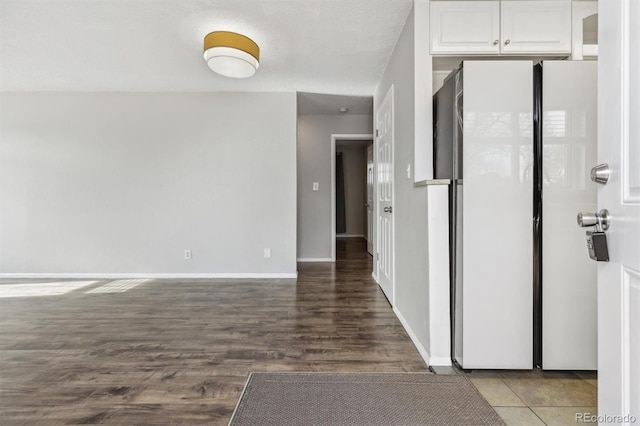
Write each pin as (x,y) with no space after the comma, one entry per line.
(600,219)
(388,210)
(596,239)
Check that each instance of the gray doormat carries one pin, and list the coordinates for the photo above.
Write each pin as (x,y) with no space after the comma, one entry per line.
(361,399)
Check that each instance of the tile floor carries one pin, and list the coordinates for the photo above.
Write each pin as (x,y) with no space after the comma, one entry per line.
(551,398)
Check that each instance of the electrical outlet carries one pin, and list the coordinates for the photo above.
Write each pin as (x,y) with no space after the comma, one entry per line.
(267,253)
(316,186)
(187,254)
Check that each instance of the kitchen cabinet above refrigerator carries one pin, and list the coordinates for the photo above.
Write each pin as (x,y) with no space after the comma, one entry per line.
(501,27)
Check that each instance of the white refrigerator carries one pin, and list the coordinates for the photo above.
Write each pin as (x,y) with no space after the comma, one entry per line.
(516,142)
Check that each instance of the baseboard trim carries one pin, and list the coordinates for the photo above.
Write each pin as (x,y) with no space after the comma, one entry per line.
(148,275)
(350,236)
(414,338)
(440,362)
(375,277)
(314,259)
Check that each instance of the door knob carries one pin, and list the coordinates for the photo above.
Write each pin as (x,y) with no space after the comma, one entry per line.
(600,173)
(601,219)
(596,239)
(495,42)
(507,41)
(388,210)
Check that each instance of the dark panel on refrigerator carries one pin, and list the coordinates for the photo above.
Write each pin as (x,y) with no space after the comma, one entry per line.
(443,129)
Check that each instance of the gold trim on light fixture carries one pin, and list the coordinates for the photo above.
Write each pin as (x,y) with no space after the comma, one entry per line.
(231,54)
(233,40)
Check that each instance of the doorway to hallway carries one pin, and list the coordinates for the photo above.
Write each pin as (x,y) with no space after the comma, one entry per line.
(352,188)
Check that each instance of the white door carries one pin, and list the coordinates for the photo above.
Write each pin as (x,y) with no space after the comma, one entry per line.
(619,147)
(369,203)
(384,139)
(535,26)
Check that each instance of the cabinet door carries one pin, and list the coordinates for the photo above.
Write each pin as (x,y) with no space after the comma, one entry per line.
(465,27)
(535,27)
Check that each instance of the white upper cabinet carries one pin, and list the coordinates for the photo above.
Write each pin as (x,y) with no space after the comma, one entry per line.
(507,27)
(465,27)
(535,26)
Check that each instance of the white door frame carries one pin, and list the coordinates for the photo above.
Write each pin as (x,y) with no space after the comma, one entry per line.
(334,138)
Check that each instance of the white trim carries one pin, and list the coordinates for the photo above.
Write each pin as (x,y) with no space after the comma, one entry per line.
(579,11)
(350,236)
(334,138)
(589,50)
(414,338)
(314,259)
(440,362)
(626,311)
(375,276)
(138,275)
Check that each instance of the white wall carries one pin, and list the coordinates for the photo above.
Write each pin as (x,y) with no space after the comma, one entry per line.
(420,212)
(314,165)
(355,187)
(410,202)
(423,66)
(123,183)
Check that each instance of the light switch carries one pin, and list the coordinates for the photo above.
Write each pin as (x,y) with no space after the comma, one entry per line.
(409,171)
(316,186)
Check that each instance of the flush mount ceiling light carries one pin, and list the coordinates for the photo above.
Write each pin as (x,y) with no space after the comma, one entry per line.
(231,54)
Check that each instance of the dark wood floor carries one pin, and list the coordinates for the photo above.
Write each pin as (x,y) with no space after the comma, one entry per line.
(179,351)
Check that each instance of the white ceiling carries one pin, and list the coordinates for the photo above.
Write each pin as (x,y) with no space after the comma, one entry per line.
(314,103)
(320,46)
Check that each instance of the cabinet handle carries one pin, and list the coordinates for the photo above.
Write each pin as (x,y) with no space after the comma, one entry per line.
(507,41)
(496,42)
